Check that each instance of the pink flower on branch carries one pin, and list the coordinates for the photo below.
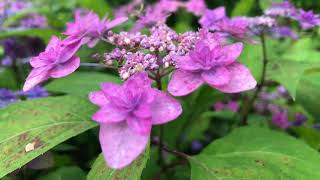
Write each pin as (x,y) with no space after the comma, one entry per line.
(215,65)
(126,116)
(58,60)
(89,28)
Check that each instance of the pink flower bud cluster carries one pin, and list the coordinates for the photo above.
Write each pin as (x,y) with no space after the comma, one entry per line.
(137,52)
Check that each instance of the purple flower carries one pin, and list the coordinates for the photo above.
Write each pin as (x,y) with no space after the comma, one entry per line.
(58,60)
(219,106)
(88,28)
(211,17)
(7,97)
(236,27)
(233,106)
(308,19)
(282,32)
(126,116)
(34,21)
(284,9)
(214,65)
(34,93)
(299,119)
(197,7)
(280,119)
(6,61)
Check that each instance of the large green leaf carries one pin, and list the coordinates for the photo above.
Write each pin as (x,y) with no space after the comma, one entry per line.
(288,73)
(308,93)
(81,83)
(256,153)
(30,128)
(44,34)
(101,171)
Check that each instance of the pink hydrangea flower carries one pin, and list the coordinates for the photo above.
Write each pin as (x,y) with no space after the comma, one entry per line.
(58,60)
(214,65)
(211,17)
(126,116)
(89,28)
(197,7)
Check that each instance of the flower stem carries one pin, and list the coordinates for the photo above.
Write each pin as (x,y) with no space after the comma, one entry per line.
(159,86)
(248,103)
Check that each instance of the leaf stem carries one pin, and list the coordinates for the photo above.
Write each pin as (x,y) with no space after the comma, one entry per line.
(248,103)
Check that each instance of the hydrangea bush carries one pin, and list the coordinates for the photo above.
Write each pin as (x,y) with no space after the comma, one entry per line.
(227,97)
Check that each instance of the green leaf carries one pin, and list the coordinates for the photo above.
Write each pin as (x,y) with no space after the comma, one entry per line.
(30,128)
(251,56)
(81,83)
(100,170)
(243,7)
(287,73)
(44,34)
(264,4)
(7,79)
(101,7)
(308,93)
(256,153)
(65,173)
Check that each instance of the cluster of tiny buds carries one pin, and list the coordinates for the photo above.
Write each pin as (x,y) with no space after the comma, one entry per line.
(136,52)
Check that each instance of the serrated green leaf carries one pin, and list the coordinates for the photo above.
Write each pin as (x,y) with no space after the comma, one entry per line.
(256,153)
(30,128)
(44,34)
(100,171)
(81,83)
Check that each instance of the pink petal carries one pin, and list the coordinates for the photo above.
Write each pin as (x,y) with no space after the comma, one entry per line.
(186,63)
(36,62)
(138,82)
(139,125)
(116,22)
(54,42)
(143,111)
(241,79)
(68,51)
(35,77)
(62,70)
(164,108)
(110,89)
(216,76)
(120,144)
(109,114)
(231,52)
(184,82)
(98,98)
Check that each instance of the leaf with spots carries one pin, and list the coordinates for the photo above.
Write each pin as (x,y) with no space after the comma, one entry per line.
(256,153)
(101,171)
(30,128)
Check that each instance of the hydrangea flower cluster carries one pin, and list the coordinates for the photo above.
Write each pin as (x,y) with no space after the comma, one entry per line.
(127,112)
